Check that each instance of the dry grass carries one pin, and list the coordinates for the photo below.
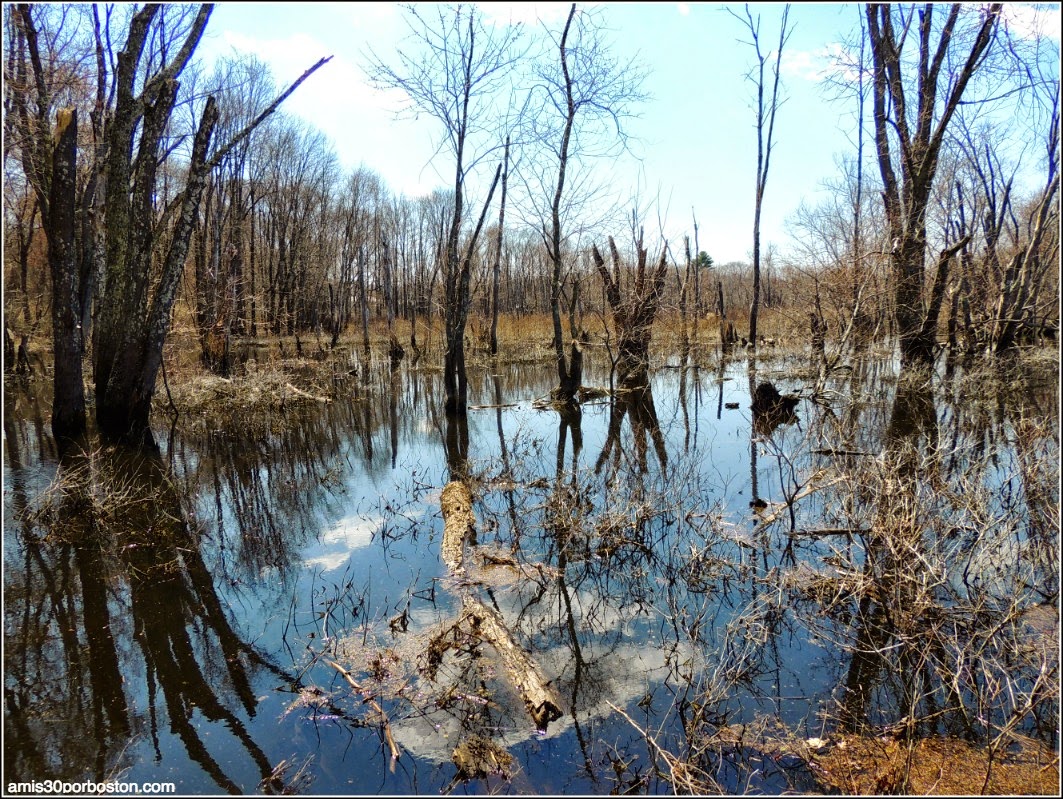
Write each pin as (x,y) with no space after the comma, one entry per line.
(270,373)
(273,388)
(864,765)
(858,765)
(271,380)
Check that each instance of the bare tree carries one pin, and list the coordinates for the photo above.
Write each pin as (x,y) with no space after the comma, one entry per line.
(497,263)
(49,164)
(124,216)
(1004,294)
(912,112)
(765,140)
(224,271)
(590,93)
(847,82)
(454,75)
(634,309)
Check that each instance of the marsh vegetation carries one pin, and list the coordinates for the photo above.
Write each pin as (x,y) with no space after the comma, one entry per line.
(310,487)
(660,593)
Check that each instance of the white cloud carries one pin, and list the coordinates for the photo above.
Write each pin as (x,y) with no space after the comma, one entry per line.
(339,101)
(365,15)
(1033,20)
(336,544)
(829,61)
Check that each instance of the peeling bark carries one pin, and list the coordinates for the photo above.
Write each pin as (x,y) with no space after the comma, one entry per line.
(459,522)
(540,699)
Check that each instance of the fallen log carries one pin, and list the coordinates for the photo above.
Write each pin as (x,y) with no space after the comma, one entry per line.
(458,523)
(305,395)
(826,532)
(540,699)
(811,487)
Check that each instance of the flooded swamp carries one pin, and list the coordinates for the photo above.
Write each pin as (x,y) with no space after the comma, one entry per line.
(681,586)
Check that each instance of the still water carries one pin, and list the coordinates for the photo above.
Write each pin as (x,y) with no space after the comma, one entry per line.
(664,562)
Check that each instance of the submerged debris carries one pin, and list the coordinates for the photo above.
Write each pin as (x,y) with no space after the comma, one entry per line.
(478,758)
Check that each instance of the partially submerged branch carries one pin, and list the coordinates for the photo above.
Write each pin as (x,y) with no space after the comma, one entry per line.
(395,751)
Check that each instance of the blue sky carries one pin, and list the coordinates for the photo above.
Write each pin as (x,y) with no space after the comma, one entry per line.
(696,136)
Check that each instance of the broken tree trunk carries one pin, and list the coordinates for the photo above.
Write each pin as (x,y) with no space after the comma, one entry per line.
(458,523)
(540,699)
(728,334)
(396,753)
(634,314)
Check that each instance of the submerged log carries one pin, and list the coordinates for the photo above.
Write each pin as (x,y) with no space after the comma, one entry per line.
(458,524)
(305,394)
(478,758)
(767,399)
(771,409)
(541,700)
(396,753)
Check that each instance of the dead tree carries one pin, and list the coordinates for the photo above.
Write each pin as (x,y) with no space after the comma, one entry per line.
(633,315)
(910,132)
(453,75)
(497,265)
(588,87)
(116,226)
(728,334)
(683,282)
(23,365)
(49,161)
(9,349)
(765,142)
(818,329)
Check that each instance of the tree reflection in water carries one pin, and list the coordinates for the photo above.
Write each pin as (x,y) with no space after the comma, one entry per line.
(110,560)
(909,529)
(948,566)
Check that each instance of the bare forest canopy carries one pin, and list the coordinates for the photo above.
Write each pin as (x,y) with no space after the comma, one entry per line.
(144,190)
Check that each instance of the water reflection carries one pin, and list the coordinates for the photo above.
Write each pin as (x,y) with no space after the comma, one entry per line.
(948,576)
(111,561)
(911,436)
(176,613)
(634,402)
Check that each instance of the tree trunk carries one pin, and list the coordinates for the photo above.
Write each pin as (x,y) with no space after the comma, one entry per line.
(129,349)
(455,380)
(498,252)
(363,303)
(253,292)
(567,381)
(633,316)
(68,397)
(24,232)
(764,147)
(684,282)
(920,137)
(1011,307)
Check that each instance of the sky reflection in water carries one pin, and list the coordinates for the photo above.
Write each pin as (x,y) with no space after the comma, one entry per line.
(624,567)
